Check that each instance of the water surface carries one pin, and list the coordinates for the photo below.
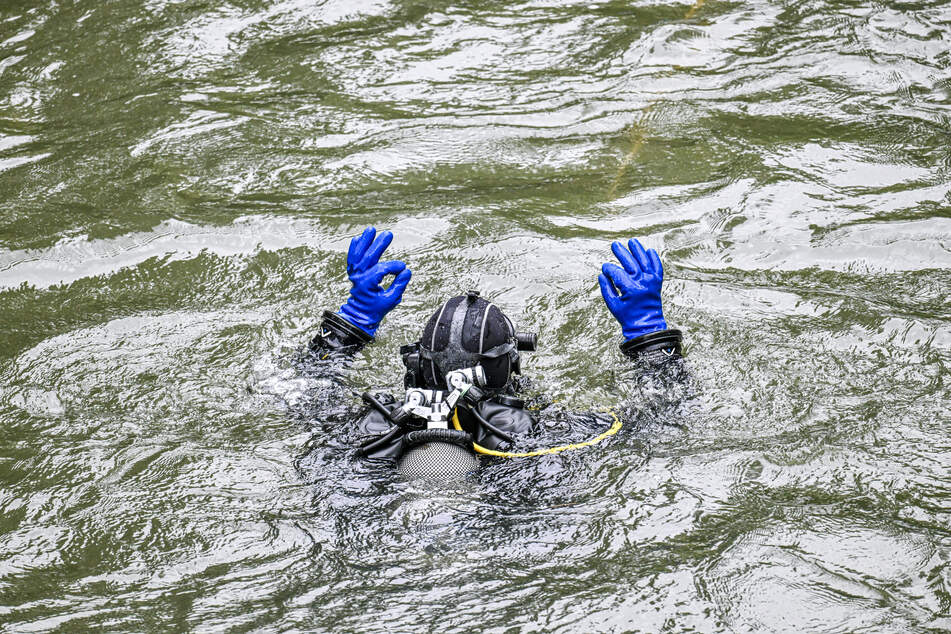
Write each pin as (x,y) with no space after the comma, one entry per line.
(178,185)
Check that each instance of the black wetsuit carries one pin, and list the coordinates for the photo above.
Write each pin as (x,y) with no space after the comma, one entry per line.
(658,357)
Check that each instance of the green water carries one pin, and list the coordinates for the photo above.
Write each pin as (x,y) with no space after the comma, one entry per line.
(178,185)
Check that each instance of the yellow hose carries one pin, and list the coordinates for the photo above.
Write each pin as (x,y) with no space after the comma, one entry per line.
(541,452)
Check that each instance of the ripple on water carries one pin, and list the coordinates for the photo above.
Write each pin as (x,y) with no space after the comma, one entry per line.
(172,229)
(836,575)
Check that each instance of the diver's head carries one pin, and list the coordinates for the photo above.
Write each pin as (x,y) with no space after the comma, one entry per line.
(466,331)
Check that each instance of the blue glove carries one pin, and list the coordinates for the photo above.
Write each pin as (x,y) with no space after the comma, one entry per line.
(632,293)
(369,302)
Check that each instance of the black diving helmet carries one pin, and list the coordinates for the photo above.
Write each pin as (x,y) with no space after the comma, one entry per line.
(466,331)
(468,334)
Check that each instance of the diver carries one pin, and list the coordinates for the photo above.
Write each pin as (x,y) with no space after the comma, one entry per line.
(462,376)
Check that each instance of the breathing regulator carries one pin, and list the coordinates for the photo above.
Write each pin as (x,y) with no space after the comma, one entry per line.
(435,406)
(433,450)
(426,410)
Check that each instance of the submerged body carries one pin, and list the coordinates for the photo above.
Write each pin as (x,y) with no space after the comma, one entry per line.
(468,332)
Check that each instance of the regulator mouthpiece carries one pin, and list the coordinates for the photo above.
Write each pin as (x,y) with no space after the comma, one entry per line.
(526,341)
(458,379)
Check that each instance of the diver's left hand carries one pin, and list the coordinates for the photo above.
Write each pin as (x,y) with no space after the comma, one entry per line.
(369,302)
(632,293)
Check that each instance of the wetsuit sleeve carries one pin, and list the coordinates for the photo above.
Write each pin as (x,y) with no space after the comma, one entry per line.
(338,338)
(326,360)
(660,375)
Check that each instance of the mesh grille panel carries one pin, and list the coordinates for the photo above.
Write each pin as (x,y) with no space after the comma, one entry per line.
(437,461)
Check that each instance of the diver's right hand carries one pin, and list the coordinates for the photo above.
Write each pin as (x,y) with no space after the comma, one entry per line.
(632,293)
(369,302)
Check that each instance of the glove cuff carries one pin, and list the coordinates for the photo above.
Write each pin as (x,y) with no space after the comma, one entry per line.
(647,322)
(338,334)
(359,318)
(659,345)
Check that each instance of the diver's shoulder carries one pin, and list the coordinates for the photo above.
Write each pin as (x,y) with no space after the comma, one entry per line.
(508,413)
